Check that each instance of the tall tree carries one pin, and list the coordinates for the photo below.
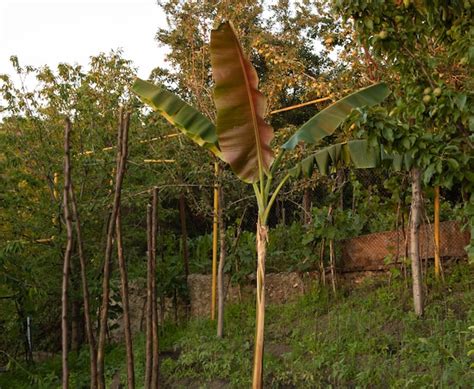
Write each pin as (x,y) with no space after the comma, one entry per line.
(422,50)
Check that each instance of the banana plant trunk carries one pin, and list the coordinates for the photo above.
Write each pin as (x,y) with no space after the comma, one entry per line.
(262,239)
(220,273)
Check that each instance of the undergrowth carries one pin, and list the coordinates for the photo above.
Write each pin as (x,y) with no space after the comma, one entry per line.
(364,337)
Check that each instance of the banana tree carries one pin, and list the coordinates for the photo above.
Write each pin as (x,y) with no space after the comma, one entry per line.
(242,138)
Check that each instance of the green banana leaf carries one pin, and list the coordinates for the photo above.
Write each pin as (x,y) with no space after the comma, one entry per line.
(356,152)
(244,137)
(324,123)
(187,119)
(396,161)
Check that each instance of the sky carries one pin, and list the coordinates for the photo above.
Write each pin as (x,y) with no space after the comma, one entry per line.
(47,32)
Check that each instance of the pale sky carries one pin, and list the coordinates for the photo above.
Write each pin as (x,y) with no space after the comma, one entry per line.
(46,32)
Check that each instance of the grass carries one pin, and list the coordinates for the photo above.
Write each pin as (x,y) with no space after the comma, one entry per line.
(365,337)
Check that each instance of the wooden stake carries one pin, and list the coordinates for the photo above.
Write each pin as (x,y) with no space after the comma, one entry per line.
(184,233)
(214,241)
(184,239)
(154,305)
(437,258)
(149,304)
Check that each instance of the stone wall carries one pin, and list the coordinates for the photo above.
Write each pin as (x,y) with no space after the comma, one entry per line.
(361,257)
(279,288)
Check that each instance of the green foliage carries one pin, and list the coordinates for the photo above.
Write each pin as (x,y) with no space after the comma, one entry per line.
(325,342)
(423,50)
(370,337)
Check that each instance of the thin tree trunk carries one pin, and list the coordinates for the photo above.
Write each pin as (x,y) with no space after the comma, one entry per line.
(75,326)
(121,159)
(220,274)
(67,256)
(162,258)
(175,305)
(307,206)
(414,242)
(125,301)
(262,238)
(405,226)
(321,261)
(149,304)
(154,317)
(85,289)
(332,260)
(74,303)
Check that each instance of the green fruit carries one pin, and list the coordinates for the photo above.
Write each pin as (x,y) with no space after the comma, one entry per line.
(426,99)
(383,34)
(427,91)
(369,24)
(437,92)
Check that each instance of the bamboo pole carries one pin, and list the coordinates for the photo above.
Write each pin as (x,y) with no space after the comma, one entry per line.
(301,105)
(214,241)
(110,148)
(437,258)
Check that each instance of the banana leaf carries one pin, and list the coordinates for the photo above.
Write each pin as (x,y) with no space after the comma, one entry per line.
(244,137)
(356,152)
(324,123)
(186,118)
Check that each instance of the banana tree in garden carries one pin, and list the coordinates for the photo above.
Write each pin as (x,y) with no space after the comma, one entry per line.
(242,138)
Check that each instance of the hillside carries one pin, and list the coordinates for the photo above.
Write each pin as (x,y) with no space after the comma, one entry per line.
(367,336)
